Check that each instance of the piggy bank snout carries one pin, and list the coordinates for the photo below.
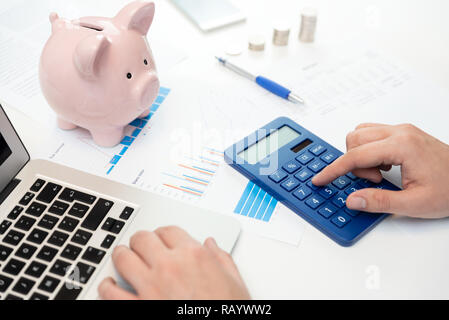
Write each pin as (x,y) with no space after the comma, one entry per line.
(149,89)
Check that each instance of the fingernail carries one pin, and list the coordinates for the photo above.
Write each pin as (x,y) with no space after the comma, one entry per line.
(211,243)
(356,203)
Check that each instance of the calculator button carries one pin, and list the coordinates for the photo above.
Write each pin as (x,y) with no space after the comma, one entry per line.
(4,252)
(26,251)
(49,284)
(365,183)
(340,220)
(329,157)
(305,158)
(318,150)
(278,176)
(352,213)
(312,186)
(290,184)
(14,267)
(342,182)
(291,167)
(351,176)
(37,236)
(302,193)
(353,189)
(315,201)
(328,192)
(340,200)
(47,253)
(317,166)
(58,208)
(36,209)
(303,175)
(327,211)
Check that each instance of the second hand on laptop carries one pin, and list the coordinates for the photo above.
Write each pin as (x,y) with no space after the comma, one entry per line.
(265,83)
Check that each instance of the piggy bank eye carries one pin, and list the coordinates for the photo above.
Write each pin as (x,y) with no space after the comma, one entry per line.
(145,62)
(129,76)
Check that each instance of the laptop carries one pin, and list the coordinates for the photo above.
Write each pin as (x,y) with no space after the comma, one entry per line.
(59,226)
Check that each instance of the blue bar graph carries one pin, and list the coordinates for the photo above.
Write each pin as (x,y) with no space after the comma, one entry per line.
(139,125)
(255,203)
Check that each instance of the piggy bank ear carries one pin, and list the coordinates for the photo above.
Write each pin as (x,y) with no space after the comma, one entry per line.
(137,16)
(88,54)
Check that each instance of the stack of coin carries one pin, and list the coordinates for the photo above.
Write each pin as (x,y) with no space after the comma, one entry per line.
(256,42)
(281,34)
(309,17)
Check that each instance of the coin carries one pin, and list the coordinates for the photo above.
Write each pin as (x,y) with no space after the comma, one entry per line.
(309,18)
(256,42)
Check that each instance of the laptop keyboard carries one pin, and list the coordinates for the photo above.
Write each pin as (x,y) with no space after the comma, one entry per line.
(55,240)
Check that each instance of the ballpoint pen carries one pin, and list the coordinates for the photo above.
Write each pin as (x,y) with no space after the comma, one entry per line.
(265,83)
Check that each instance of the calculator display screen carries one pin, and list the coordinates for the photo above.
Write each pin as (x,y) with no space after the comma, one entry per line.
(269,145)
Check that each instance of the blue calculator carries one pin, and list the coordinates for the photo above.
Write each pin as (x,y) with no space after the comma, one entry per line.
(283,157)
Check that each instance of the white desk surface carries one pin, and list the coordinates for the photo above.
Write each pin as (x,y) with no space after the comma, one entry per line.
(403,264)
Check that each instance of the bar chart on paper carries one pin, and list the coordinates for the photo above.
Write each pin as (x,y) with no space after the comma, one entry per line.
(135,130)
(192,175)
(255,203)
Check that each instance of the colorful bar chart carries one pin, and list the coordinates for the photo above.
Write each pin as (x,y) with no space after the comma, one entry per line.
(139,125)
(193,175)
(255,203)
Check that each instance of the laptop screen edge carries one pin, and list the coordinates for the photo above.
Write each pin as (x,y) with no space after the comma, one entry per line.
(19,156)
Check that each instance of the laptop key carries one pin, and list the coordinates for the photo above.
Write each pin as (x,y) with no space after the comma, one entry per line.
(5,226)
(47,253)
(58,208)
(37,236)
(38,296)
(12,297)
(23,286)
(71,252)
(68,224)
(68,292)
(35,269)
(117,227)
(48,222)
(108,224)
(26,199)
(71,195)
(94,255)
(97,214)
(60,268)
(49,284)
(85,271)
(26,251)
(81,237)
(50,191)
(126,214)
(4,252)
(108,241)
(5,282)
(58,238)
(14,214)
(14,267)
(37,186)
(25,223)
(78,210)
(13,237)
(36,209)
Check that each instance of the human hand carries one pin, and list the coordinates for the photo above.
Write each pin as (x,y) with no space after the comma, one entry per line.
(424,162)
(168,264)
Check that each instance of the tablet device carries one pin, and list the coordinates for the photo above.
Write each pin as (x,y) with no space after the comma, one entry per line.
(210,14)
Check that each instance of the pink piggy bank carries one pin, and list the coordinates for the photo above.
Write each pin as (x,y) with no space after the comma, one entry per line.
(99,73)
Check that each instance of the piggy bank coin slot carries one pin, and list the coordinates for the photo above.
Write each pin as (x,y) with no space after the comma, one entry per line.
(90,26)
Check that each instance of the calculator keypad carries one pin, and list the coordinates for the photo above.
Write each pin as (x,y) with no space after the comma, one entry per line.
(328,202)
